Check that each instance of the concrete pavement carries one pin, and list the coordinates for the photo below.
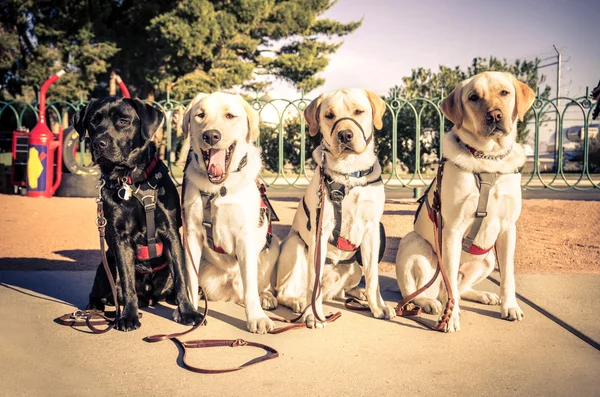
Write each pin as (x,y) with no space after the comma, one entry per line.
(355,355)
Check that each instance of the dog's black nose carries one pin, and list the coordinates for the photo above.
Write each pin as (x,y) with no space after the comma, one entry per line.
(101,143)
(211,137)
(494,116)
(345,136)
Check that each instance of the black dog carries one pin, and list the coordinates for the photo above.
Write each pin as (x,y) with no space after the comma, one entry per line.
(138,196)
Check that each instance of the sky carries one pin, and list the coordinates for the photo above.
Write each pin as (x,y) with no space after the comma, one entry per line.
(398,35)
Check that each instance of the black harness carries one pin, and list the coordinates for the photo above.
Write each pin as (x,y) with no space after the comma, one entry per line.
(145,189)
(337,191)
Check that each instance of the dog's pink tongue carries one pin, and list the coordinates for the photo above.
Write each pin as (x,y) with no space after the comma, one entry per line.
(216,162)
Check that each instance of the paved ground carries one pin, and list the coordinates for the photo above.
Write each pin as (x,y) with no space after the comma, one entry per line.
(356,355)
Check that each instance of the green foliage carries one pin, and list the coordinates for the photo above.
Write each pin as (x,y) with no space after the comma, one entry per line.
(186,46)
(292,144)
(43,36)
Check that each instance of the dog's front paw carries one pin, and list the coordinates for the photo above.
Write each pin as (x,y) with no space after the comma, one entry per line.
(311,320)
(383,312)
(453,324)
(95,304)
(489,298)
(358,293)
(511,312)
(429,305)
(128,322)
(260,325)
(296,305)
(187,316)
(268,301)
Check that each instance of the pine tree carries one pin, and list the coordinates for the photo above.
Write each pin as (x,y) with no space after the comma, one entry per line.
(186,46)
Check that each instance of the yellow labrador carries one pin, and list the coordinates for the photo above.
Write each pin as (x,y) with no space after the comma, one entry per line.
(483,158)
(353,208)
(227,231)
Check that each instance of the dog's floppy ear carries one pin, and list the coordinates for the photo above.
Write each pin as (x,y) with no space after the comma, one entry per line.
(80,121)
(253,120)
(150,117)
(187,116)
(311,115)
(452,106)
(379,107)
(524,98)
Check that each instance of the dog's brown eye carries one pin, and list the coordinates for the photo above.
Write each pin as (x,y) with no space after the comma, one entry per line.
(122,122)
(201,115)
(358,112)
(230,116)
(329,116)
(473,97)
(504,93)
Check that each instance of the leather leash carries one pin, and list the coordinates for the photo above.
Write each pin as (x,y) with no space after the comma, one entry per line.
(206,343)
(318,265)
(405,307)
(91,318)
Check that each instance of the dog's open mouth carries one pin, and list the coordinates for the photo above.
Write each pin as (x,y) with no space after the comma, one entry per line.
(217,163)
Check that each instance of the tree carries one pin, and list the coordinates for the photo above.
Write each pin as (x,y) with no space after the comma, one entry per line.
(40,37)
(186,45)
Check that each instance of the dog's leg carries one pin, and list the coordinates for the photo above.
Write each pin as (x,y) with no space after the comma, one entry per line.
(332,282)
(247,254)
(354,274)
(267,276)
(292,273)
(370,258)
(452,248)
(509,308)
(415,266)
(125,259)
(185,312)
(472,273)
(193,215)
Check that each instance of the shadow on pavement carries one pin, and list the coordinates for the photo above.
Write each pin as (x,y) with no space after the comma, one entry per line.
(74,260)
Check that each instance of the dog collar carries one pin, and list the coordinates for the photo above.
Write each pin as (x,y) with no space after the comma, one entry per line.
(478,154)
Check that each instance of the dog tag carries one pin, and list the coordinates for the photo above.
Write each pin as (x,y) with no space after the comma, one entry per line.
(125,192)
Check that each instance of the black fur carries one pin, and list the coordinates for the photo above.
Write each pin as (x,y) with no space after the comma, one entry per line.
(124,128)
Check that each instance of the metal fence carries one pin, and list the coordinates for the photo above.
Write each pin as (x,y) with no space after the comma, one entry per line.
(573,162)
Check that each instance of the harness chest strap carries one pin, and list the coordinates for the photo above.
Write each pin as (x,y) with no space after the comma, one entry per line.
(266,211)
(337,193)
(485,181)
(146,193)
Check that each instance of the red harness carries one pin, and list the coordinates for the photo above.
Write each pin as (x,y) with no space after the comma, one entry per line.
(143,253)
(343,244)
(474,249)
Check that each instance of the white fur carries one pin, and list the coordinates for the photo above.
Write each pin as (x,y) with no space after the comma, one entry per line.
(245,273)
(416,259)
(362,209)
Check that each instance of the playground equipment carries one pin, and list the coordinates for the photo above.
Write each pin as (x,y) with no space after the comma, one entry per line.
(43,149)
